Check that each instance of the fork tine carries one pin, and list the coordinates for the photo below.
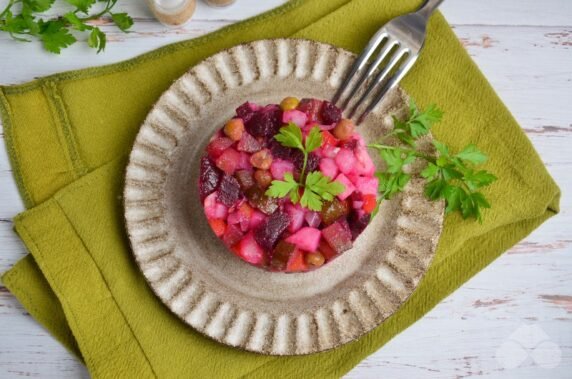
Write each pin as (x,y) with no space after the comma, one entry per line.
(378,79)
(360,62)
(371,69)
(396,78)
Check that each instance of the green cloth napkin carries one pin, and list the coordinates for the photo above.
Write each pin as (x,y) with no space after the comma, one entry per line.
(68,136)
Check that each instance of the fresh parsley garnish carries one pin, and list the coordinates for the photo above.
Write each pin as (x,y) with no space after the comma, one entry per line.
(452,177)
(55,34)
(315,187)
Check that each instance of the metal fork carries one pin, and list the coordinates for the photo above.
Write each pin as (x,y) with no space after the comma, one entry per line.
(400,42)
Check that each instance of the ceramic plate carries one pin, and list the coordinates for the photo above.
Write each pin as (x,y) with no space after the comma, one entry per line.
(214,291)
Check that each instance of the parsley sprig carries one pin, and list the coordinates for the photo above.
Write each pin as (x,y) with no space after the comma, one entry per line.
(56,34)
(315,187)
(452,177)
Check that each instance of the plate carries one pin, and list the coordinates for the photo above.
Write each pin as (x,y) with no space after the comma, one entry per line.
(217,293)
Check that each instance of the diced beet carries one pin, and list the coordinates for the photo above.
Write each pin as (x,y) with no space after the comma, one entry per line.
(296,213)
(280,167)
(312,219)
(259,200)
(296,263)
(250,250)
(232,235)
(228,190)
(306,238)
(326,250)
(268,233)
(353,178)
(333,210)
(311,165)
(346,160)
(228,161)
(328,167)
(248,144)
(348,185)
(246,111)
(338,236)
(279,151)
(244,162)
(297,117)
(209,177)
(218,146)
(350,144)
(281,255)
(245,179)
(330,113)
(367,185)
(358,221)
(257,218)
(311,107)
(265,122)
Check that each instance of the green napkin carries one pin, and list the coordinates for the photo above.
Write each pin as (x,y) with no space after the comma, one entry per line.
(68,136)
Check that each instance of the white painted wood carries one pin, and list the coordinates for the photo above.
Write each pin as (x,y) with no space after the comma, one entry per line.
(524,47)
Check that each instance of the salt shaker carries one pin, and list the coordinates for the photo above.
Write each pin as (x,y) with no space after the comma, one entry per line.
(172,12)
(220,3)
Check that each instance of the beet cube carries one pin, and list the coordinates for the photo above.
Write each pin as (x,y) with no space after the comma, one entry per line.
(246,111)
(248,144)
(229,190)
(330,113)
(209,177)
(311,107)
(311,165)
(267,234)
(245,179)
(338,236)
(358,221)
(266,122)
(232,235)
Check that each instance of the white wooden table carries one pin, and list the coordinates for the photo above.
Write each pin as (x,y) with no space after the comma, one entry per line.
(513,320)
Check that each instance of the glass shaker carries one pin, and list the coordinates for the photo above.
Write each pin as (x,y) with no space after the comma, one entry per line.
(172,12)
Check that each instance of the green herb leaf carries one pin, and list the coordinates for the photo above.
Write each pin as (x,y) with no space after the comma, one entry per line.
(287,187)
(311,200)
(122,20)
(472,154)
(76,23)
(290,136)
(82,5)
(449,177)
(313,140)
(97,39)
(37,5)
(55,36)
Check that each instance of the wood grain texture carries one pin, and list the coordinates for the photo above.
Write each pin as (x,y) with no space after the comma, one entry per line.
(524,47)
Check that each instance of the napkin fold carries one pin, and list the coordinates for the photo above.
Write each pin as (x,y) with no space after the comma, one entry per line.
(68,135)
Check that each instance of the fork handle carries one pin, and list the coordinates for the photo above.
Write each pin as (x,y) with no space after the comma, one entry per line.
(428,8)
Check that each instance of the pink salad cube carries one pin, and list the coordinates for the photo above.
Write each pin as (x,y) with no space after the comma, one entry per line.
(349,187)
(306,239)
(280,167)
(295,116)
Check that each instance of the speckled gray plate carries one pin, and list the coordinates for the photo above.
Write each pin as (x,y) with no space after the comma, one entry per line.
(211,289)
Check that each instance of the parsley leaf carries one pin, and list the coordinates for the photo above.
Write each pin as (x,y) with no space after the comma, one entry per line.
(122,20)
(313,140)
(97,39)
(279,188)
(55,37)
(82,5)
(450,177)
(290,136)
(55,33)
(319,187)
(316,187)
